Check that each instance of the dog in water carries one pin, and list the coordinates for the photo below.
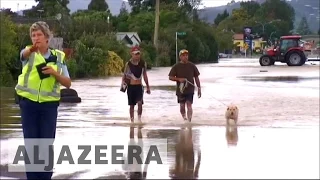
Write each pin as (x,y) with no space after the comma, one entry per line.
(232,112)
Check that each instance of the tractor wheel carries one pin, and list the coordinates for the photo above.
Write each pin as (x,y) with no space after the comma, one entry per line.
(266,61)
(295,58)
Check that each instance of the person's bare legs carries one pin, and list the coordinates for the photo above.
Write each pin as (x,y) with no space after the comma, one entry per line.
(189,110)
(183,110)
(131,111)
(139,111)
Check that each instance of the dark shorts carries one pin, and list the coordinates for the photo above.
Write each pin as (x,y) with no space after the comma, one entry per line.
(185,97)
(135,94)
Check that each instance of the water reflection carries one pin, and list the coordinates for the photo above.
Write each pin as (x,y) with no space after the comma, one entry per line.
(185,165)
(142,173)
(232,135)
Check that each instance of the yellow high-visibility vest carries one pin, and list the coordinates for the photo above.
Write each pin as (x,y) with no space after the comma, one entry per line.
(30,85)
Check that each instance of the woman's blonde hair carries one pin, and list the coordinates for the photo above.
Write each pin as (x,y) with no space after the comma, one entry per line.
(43,26)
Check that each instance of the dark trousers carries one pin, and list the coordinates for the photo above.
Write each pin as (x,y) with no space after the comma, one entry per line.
(38,121)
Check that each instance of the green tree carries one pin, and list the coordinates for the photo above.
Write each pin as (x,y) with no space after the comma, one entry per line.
(89,22)
(48,8)
(123,9)
(319,32)
(276,10)
(135,6)
(303,27)
(8,50)
(121,22)
(250,7)
(143,24)
(8,12)
(189,6)
(98,5)
(221,17)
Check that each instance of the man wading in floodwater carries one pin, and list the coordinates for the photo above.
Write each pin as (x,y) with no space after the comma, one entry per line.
(132,78)
(184,74)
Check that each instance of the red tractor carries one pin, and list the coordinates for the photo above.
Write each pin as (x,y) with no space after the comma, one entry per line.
(290,50)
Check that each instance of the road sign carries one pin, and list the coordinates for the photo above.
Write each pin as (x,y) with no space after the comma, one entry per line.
(178,34)
(181,33)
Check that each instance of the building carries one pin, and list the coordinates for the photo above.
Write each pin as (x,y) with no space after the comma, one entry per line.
(258,44)
(129,38)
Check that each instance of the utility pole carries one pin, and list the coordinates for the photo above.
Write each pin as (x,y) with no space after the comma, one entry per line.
(176,47)
(156,27)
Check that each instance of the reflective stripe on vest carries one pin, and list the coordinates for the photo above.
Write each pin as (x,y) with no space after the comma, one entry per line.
(26,79)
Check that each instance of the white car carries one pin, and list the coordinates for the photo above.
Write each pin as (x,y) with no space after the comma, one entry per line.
(222,55)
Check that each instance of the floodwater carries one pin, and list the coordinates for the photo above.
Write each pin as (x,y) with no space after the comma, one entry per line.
(277,134)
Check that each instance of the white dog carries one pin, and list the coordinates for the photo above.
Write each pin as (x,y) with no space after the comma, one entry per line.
(232,112)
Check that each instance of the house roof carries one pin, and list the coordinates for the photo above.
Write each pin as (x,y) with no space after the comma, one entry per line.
(121,37)
(129,34)
(238,36)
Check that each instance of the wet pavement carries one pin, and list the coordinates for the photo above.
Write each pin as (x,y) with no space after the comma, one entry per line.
(277,134)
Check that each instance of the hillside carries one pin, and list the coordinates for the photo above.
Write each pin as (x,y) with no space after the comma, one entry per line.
(308,8)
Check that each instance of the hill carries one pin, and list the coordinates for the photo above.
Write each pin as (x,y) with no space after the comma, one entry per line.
(308,8)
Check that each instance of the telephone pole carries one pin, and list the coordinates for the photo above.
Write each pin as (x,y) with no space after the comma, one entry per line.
(156,27)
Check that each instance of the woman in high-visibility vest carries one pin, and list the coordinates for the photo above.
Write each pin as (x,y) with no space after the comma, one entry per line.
(38,89)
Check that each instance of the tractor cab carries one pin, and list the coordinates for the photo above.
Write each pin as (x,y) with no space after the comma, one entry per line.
(290,50)
(286,44)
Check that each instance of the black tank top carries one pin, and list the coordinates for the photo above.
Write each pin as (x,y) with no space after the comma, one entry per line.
(136,70)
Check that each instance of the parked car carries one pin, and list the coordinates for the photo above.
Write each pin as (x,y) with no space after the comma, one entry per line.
(222,55)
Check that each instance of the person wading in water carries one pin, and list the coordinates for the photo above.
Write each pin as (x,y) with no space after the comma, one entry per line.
(134,70)
(184,73)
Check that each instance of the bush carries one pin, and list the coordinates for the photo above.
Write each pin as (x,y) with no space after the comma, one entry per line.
(146,57)
(151,50)
(72,67)
(114,64)
(88,60)
(106,42)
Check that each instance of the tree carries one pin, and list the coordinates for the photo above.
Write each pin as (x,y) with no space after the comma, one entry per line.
(8,12)
(250,6)
(8,50)
(98,5)
(123,9)
(303,27)
(49,8)
(221,17)
(240,14)
(135,6)
(143,24)
(319,32)
(273,15)
(121,22)
(276,10)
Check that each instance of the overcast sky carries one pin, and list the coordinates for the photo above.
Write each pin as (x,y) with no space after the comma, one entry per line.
(26,4)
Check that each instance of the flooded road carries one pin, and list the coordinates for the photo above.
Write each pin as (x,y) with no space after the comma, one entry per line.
(277,135)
